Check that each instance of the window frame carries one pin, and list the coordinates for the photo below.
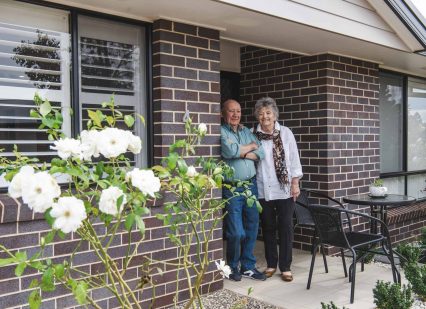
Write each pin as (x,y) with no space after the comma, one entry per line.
(404,173)
(74,71)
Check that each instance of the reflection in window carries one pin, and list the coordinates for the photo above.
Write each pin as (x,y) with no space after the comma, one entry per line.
(416,125)
(417,186)
(395,185)
(391,95)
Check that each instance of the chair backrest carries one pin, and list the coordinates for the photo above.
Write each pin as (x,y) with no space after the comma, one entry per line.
(303,216)
(329,225)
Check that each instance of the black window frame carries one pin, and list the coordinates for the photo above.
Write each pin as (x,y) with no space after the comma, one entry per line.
(404,173)
(74,71)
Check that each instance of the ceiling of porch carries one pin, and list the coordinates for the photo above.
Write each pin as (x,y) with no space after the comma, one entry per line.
(254,28)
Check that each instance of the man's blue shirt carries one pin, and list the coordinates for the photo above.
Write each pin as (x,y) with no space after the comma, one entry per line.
(231,142)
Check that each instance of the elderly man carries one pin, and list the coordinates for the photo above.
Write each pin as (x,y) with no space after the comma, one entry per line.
(240,149)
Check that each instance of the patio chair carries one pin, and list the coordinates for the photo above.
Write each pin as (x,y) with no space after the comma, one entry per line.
(332,231)
(304,219)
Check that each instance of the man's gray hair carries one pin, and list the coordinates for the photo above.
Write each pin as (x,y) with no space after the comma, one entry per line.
(266,102)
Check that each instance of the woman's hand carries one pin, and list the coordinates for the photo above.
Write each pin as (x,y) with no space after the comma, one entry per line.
(294,189)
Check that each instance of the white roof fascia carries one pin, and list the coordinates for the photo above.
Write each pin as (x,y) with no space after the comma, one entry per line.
(321,18)
(395,23)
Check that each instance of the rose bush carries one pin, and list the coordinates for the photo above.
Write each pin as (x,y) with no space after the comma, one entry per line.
(104,188)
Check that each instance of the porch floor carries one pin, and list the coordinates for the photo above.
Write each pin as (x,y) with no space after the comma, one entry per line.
(324,288)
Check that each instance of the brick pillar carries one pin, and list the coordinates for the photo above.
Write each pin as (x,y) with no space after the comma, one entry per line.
(186,76)
(331,105)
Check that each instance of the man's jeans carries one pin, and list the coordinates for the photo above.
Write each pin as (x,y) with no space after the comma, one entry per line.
(241,225)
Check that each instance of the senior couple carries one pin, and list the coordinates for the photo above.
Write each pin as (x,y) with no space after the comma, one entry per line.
(274,179)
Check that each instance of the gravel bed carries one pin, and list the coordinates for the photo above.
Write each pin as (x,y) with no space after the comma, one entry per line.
(226,299)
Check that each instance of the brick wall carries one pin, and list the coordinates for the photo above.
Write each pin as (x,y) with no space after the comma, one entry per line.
(185,77)
(331,105)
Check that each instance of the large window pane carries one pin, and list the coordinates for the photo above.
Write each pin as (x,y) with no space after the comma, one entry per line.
(112,63)
(417,186)
(391,98)
(416,122)
(34,57)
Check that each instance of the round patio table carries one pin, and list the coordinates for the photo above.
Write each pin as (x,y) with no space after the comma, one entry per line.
(379,205)
(379,208)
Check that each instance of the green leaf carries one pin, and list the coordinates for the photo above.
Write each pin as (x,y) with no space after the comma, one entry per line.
(49,237)
(4,262)
(141,118)
(33,284)
(172,159)
(20,268)
(49,219)
(141,211)
(48,122)
(130,219)
(140,224)
(95,117)
(119,202)
(129,120)
(21,256)
(80,292)
(259,207)
(45,108)
(59,270)
(47,281)
(250,202)
(34,299)
(183,168)
(34,114)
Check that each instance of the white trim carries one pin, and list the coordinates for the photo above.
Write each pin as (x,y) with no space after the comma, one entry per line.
(101,10)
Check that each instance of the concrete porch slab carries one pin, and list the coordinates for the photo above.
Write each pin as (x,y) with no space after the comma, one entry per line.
(324,288)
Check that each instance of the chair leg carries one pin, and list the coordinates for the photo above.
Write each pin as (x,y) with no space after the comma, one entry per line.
(343,262)
(395,273)
(311,269)
(324,259)
(321,248)
(352,274)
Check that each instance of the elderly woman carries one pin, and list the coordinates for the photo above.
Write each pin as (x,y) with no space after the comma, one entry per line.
(278,177)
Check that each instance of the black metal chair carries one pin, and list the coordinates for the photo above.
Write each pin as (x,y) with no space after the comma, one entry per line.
(304,219)
(333,231)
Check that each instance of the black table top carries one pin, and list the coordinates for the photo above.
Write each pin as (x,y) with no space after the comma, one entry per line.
(388,200)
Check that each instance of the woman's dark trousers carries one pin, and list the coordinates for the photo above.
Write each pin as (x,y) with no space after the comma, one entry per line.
(277,215)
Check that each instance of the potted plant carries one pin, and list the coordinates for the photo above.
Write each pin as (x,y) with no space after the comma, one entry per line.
(377,189)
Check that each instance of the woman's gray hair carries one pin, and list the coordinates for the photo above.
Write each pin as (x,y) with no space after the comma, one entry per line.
(266,102)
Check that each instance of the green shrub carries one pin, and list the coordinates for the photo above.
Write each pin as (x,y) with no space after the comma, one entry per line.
(331,305)
(423,236)
(410,252)
(389,295)
(416,275)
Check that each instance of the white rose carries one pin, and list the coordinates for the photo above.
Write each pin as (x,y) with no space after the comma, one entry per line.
(15,187)
(112,142)
(191,172)
(224,269)
(108,201)
(135,143)
(69,213)
(202,128)
(89,140)
(67,147)
(145,181)
(39,191)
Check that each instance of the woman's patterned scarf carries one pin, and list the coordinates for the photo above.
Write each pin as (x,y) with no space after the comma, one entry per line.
(279,155)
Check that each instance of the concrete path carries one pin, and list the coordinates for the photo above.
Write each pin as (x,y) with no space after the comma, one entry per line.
(324,288)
